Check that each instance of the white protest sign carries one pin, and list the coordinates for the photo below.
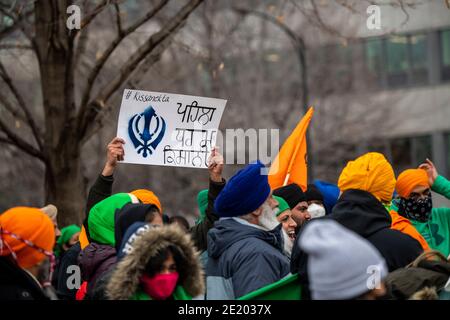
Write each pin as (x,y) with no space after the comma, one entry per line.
(168,129)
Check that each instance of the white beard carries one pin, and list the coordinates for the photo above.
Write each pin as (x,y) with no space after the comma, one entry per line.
(287,244)
(267,219)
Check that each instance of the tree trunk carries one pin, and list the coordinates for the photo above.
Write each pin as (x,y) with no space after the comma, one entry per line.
(54,43)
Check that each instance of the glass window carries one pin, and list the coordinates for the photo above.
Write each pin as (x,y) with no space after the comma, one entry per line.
(418,45)
(445,53)
(374,58)
(398,62)
(422,149)
(401,154)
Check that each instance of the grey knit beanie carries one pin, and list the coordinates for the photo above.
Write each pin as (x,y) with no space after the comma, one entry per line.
(341,264)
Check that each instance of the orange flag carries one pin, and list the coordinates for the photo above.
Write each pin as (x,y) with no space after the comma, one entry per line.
(290,165)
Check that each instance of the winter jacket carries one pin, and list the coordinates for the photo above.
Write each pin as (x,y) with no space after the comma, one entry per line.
(404,225)
(94,261)
(423,276)
(69,258)
(242,258)
(436,231)
(100,190)
(199,232)
(362,213)
(124,284)
(17,284)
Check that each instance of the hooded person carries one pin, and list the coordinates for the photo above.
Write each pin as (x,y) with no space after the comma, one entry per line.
(27,237)
(414,188)
(331,247)
(100,255)
(296,199)
(284,216)
(245,247)
(367,183)
(68,238)
(130,214)
(315,199)
(159,263)
(330,193)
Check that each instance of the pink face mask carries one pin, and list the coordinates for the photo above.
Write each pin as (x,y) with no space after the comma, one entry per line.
(160,286)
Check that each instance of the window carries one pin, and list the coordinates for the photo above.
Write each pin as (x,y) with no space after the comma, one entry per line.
(422,149)
(398,62)
(374,59)
(445,54)
(419,70)
(401,154)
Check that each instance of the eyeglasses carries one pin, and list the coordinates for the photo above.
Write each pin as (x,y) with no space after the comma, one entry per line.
(29,243)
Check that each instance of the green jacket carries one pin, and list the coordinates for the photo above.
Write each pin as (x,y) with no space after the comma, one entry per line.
(436,231)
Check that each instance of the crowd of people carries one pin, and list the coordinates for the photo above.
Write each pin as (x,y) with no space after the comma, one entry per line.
(370,236)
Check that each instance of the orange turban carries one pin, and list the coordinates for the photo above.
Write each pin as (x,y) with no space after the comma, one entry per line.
(147,197)
(29,224)
(370,172)
(409,179)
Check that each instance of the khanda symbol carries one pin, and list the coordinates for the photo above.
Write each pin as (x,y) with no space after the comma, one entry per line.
(146,131)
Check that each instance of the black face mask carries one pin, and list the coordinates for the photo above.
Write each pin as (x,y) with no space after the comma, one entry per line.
(419,210)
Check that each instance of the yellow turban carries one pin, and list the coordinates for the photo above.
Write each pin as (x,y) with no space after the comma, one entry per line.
(370,172)
(147,197)
(409,179)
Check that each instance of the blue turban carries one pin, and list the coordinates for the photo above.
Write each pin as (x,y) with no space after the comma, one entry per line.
(245,192)
(330,194)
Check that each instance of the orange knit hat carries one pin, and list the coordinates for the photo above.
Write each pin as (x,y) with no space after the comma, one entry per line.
(370,172)
(409,179)
(147,197)
(29,224)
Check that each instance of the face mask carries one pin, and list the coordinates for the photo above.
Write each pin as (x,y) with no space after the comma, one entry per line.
(160,286)
(418,210)
(316,211)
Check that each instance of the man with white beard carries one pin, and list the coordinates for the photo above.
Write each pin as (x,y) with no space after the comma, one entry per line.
(246,245)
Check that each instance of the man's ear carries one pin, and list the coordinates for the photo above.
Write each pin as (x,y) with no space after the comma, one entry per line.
(257,212)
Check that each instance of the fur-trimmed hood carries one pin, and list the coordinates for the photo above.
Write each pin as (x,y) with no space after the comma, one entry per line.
(124,281)
(426,293)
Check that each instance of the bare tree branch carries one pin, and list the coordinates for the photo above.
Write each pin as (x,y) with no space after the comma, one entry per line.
(118,19)
(18,23)
(12,46)
(100,63)
(20,143)
(152,43)
(98,9)
(145,65)
(6,78)
(10,108)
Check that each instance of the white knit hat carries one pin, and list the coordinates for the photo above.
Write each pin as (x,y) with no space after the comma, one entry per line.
(341,264)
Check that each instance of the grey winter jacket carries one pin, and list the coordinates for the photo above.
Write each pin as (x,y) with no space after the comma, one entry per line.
(242,258)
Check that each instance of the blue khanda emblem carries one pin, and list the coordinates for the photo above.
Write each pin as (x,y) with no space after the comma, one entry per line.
(146,131)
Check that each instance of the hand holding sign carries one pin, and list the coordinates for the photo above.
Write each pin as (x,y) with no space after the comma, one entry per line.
(114,154)
(215,165)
